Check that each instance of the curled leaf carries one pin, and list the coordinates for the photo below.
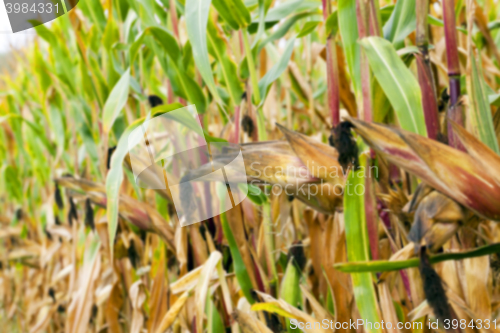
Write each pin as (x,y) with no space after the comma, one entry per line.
(458,175)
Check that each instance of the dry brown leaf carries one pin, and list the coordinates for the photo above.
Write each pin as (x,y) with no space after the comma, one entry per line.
(137,297)
(79,311)
(172,313)
(249,324)
(201,291)
(298,314)
(189,281)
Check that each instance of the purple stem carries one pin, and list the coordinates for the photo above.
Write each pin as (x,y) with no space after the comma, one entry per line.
(332,75)
(429,101)
(454,111)
(363,24)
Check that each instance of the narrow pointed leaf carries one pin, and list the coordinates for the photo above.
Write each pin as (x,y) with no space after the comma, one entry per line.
(188,88)
(196,25)
(348,27)
(114,178)
(401,23)
(308,28)
(275,72)
(116,101)
(398,83)
(227,66)
(479,106)
(358,248)
(234,12)
(240,269)
(387,265)
(290,289)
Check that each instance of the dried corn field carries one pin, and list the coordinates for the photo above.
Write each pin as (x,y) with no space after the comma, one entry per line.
(369,133)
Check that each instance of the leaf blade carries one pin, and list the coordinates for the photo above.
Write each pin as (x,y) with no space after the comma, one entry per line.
(196,25)
(348,27)
(116,101)
(358,247)
(275,72)
(398,83)
(480,112)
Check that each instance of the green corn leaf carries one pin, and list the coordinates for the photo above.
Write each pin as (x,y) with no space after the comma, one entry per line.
(479,106)
(290,289)
(255,194)
(111,34)
(282,11)
(116,101)
(234,12)
(36,129)
(275,72)
(47,35)
(398,83)
(167,41)
(42,72)
(227,66)
(308,28)
(100,85)
(358,245)
(239,265)
(386,265)
(385,13)
(262,23)
(114,181)
(437,22)
(183,84)
(135,47)
(115,174)
(215,323)
(402,22)
(58,127)
(85,130)
(332,24)
(94,11)
(196,26)
(283,29)
(12,182)
(145,11)
(348,26)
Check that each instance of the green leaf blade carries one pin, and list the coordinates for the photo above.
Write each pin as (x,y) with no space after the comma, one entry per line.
(398,83)
(196,25)
(275,72)
(116,101)
(358,246)
(308,28)
(348,27)
(480,112)
(401,23)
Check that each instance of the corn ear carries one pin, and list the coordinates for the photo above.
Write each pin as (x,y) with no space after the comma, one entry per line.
(318,157)
(458,175)
(436,220)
